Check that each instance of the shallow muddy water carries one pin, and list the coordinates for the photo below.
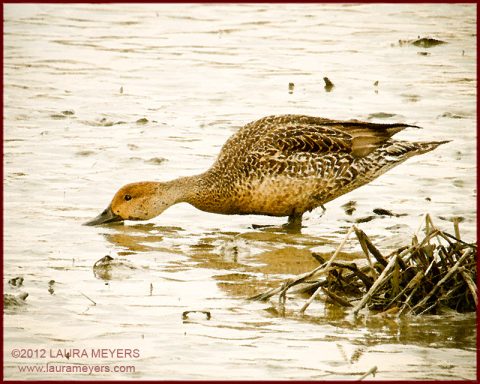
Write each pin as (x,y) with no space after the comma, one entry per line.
(97,96)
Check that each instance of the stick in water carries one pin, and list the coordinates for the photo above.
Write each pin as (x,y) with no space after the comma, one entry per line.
(310,300)
(375,285)
(94,303)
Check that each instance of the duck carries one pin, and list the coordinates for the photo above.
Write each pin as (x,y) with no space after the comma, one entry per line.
(280,165)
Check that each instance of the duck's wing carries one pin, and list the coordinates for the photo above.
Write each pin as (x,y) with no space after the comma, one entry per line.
(287,141)
(296,143)
(317,135)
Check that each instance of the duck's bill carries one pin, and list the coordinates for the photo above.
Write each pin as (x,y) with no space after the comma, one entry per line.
(107,216)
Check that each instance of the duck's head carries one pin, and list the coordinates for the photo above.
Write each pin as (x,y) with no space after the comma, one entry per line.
(136,201)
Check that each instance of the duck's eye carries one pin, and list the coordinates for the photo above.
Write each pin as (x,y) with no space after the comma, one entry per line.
(128,197)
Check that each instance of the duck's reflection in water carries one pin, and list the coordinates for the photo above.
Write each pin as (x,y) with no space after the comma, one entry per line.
(132,239)
(243,264)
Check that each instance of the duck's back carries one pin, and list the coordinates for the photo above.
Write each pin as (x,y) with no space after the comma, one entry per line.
(279,165)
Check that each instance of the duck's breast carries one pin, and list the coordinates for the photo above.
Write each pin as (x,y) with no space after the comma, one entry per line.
(276,196)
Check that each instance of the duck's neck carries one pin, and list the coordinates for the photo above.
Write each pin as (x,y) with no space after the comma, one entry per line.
(201,191)
(180,190)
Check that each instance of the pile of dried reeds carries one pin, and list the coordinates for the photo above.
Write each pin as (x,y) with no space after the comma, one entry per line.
(425,277)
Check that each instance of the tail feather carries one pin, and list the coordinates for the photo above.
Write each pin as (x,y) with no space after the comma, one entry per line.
(393,153)
(390,154)
(424,147)
(408,148)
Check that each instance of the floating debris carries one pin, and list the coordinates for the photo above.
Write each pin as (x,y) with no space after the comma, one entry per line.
(156,160)
(185,315)
(411,98)
(108,268)
(453,219)
(381,115)
(427,42)
(85,153)
(58,116)
(16,282)
(383,212)
(291,86)
(62,115)
(103,122)
(424,42)
(431,275)
(133,147)
(424,53)
(386,212)
(328,84)
(142,121)
(350,207)
(121,90)
(12,301)
(452,115)
(104,261)
(51,283)
(365,219)
(371,371)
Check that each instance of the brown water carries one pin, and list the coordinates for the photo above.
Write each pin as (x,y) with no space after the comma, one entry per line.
(100,95)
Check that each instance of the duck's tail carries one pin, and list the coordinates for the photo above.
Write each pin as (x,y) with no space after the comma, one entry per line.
(390,154)
(428,146)
(393,153)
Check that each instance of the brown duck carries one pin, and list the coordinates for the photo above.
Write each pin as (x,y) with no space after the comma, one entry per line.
(277,166)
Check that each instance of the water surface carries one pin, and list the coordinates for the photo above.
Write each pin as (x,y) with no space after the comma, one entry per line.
(97,96)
